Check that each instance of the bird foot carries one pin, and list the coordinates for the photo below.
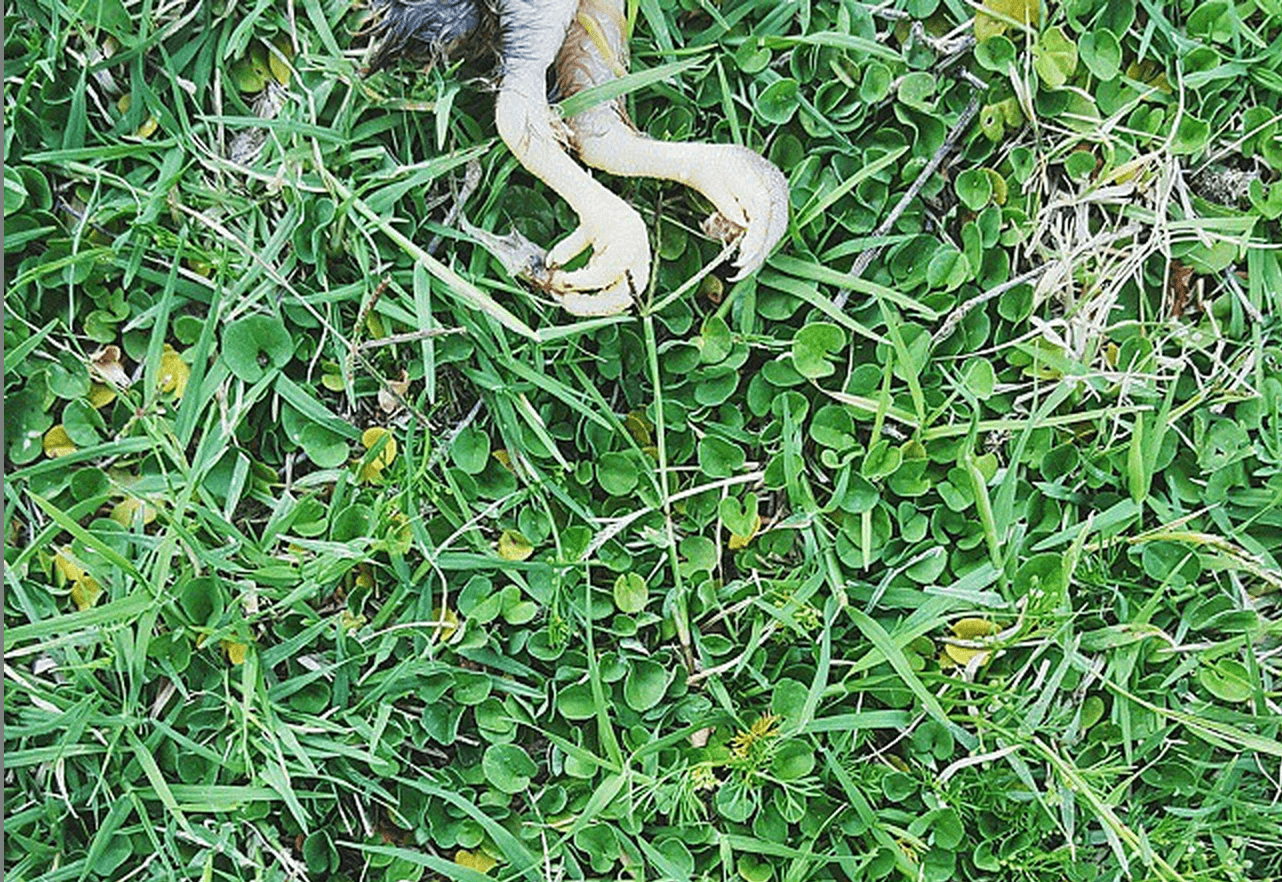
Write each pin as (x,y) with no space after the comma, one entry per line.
(617,271)
(607,285)
(751,198)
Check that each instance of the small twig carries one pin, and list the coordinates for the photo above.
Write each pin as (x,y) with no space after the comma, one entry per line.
(955,317)
(448,440)
(471,180)
(409,337)
(866,258)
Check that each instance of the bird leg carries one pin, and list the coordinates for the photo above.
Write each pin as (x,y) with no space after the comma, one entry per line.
(533,33)
(749,193)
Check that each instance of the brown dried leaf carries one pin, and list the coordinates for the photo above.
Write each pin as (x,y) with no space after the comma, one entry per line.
(106,366)
(388,401)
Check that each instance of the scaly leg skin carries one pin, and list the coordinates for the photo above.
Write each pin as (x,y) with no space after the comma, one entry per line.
(749,193)
(620,263)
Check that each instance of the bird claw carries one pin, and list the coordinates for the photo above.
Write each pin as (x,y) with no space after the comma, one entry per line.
(751,198)
(617,271)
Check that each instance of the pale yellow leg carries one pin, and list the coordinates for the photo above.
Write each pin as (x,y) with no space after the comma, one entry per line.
(620,262)
(749,192)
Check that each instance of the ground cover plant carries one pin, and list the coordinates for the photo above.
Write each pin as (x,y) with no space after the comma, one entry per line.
(945,547)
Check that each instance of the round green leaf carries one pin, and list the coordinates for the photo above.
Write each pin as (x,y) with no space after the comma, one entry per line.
(600,844)
(202,600)
(915,90)
(979,377)
(1227,680)
(753,56)
(254,343)
(630,593)
(1092,711)
(507,767)
(15,191)
(1101,53)
(897,786)
(617,473)
(881,460)
(793,760)
(740,518)
(471,450)
(754,869)
(325,448)
(1055,57)
(812,345)
(1080,165)
(719,458)
(575,702)
(645,684)
(974,188)
(875,85)
(996,54)
(1191,135)
(714,341)
(471,687)
(948,268)
(82,423)
(779,101)
(319,852)
(68,376)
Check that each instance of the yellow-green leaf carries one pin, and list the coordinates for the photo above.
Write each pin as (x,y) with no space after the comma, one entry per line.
(57,442)
(514,546)
(475,860)
(1003,14)
(174,372)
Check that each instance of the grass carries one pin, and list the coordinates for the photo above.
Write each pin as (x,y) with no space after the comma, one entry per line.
(946,547)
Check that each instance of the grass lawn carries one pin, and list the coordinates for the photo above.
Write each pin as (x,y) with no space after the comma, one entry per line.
(945,547)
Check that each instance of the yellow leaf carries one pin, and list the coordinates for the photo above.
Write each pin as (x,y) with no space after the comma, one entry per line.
(373,469)
(400,533)
(174,372)
(973,629)
(332,378)
(129,509)
(514,546)
(67,568)
(970,629)
(1149,73)
(370,439)
(100,395)
(446,622)
(364,576)
(1027,12)
(85,592)
(236,651)
(504,458)
(57,442)
(963,654)
(148,128)
(475,860)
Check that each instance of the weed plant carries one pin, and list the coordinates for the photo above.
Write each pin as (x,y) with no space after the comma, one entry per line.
(945,547)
